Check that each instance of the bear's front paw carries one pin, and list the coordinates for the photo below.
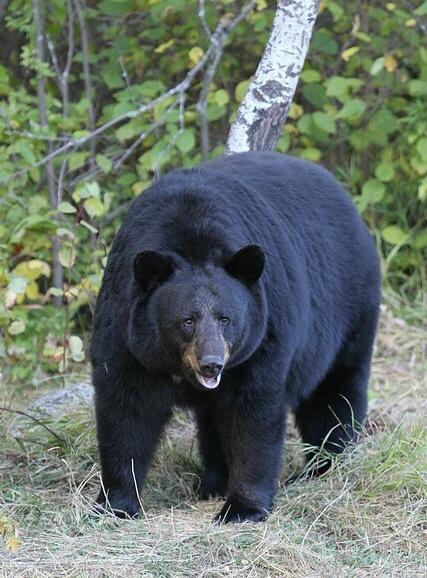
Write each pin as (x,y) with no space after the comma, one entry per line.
(211,485)
(235,511)
(119,504)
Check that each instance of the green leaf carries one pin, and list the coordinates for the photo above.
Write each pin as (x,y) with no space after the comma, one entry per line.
(377,66)
(422,190)
(373,191)
(349,52)
(311,154)
(128,130)
(284,142)
(103,163)
(305,123)
(310,76)
(186,141)
(384,172)
(352,110)
(384,122)
(77,160)
(315,94)
(241,89)
(16,327)
(24,149)
(87,190)
(393,235)
(94,207)
(340,87)
(324,42)
(421,147)
(417,88)
(214,112)
(122,108)
(420,240)
(421,10)
(221,97)
(66,207)
(152,88)
(324,122)
(67,256)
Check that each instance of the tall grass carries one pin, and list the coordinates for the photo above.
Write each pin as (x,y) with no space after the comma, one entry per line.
(365,517)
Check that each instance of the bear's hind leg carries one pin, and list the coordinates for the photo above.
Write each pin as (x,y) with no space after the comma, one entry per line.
(214,478)
(331,417)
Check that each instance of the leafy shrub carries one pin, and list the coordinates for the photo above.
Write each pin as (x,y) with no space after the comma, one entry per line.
(360,109)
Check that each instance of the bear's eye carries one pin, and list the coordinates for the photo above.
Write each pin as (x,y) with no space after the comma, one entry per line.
(188,322)
(225,320)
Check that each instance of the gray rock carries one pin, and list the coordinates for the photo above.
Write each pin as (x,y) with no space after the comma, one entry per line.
(63,399)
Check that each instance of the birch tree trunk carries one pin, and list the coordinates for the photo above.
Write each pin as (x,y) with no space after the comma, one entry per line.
(264,109)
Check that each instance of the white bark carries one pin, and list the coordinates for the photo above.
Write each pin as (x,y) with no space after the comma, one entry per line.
(263,112)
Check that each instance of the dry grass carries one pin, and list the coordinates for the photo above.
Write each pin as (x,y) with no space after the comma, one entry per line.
(367,517)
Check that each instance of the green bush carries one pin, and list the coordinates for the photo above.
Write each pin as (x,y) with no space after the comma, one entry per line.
(360,109)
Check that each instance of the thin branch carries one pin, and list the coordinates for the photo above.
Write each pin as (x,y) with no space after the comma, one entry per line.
(64,84)
(36,420)
(125,77)
(87,79)
(217,45)
(202,18)
(114,214)
(70,53)
(3,7)
(57,271)
(202,102)
(118,163)
(223,29)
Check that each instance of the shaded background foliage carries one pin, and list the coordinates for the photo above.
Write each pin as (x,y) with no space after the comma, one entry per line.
(360,109)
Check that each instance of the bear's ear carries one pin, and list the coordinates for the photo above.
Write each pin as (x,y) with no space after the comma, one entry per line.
(151,269)
(247,264)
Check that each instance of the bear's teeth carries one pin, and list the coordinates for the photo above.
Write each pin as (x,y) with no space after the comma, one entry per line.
(209,382)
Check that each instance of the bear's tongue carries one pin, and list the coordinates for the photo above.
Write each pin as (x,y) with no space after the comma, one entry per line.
(208,382)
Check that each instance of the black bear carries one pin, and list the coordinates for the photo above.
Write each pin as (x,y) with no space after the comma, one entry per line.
(244,288)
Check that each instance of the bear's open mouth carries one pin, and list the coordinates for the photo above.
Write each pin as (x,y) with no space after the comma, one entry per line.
(208,382)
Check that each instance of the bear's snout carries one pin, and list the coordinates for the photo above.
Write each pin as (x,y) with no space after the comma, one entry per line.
(211,366)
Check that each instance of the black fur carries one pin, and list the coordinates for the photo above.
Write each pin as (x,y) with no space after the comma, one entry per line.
(299,329)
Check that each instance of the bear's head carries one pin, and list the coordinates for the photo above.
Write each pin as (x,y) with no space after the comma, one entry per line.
(195,321)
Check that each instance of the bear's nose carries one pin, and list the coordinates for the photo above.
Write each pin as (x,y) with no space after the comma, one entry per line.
(211,366)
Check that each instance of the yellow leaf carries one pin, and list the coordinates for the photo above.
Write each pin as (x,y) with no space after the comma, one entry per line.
(32,291)
(13,544)
(390,63)
(347,54)
(195,54)
(139,186)
(162,47)
(295,111)
(410,23)
(32,269)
